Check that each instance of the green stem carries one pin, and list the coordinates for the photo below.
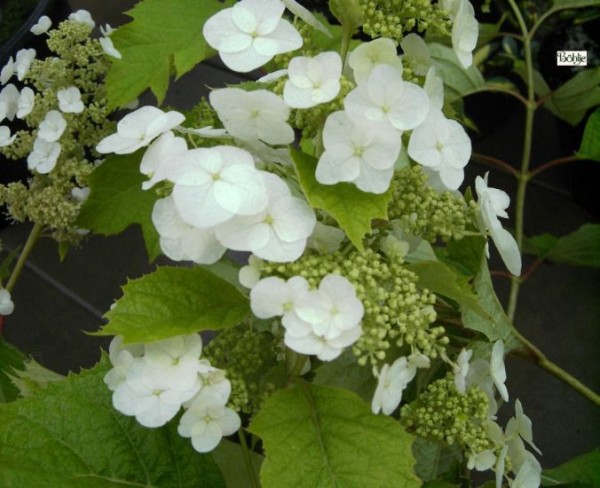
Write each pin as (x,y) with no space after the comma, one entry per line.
(523,176)
(541,360)
(247,460)
(34,235)
(294,362)
(346,37)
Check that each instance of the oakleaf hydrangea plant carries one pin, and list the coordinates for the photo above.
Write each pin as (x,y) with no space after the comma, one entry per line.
(335,172)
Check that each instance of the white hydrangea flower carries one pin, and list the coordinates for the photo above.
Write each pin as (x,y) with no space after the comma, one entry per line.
(479,375)
(138,129)
(253,115)
(442,145)
(44,156)
(417,53)
(25,102)
(279,232)
(84,17)
(520,425)
(122,357)
(461,369)
(53,126)
(497,369)
(332,309)
(306,15)
(358,150)
(325,239)
(80,194)
(69,100)
(250,34)
(214,184)
(5,138)
(139,396)
(273,297)
(214,381)
(206,421)
(41,26)
(310,343)
(528,476)
(500,465)
(385,96)
(434,87)
(180,241)
(325,321)
(519,456)
(481,461)
(391,382)
(173,364)
(493,204)
(160,157)
(465,31)
(368,55)
(249,275)
(109,48)
(9,102)
(23,61)
(6,304)
(106,42)
(313,80)
(8,70)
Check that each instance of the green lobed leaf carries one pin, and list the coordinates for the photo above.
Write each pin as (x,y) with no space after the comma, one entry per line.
(33,377)
(345,372)
(442,280)
(70,436)
(494,324)
(162,36)
(584,469)
(229,457)
(590,144)
(11,360)
(328,437)
(572,100)
(458,81)
(435,459)
(117,200)
(464,255)
(174,301)
(580,248)
(350,207)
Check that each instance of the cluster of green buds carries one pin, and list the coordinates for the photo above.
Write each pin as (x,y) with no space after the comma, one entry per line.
(248,355)
(394,18)
(444,414)
(423,211)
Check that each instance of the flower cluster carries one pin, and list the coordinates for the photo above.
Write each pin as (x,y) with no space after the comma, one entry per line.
(153,381)
(373,119)
(396,312)
(62,102)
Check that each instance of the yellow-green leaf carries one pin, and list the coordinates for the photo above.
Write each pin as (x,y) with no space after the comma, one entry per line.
(328,437)
(351,208)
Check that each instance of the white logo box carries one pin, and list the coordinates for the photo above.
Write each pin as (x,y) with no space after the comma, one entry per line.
(571,58)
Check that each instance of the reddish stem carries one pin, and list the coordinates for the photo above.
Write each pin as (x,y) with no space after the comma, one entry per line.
(552,164)
(503,165)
